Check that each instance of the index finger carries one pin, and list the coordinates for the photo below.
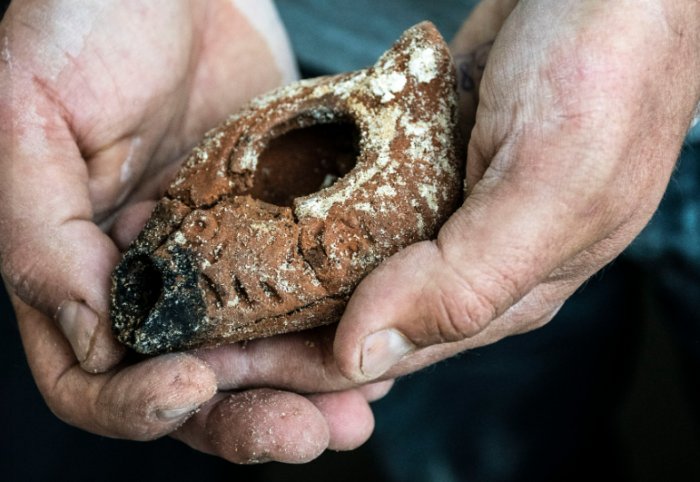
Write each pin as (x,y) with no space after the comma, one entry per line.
(140,402)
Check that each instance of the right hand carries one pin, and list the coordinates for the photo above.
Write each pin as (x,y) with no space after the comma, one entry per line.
(101,100)
(583,107)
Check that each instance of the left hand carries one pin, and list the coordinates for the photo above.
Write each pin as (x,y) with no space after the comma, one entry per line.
(211,399)
(281,398)
(583,107)
(100,100)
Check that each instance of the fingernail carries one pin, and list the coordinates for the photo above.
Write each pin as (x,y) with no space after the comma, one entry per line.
(170,414)
(78,324)
(382,350)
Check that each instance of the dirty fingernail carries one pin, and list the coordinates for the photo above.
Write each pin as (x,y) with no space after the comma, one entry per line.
(382,350)
(78,324)
(170,414)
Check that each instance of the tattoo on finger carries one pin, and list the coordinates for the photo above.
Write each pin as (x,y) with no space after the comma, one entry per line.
(470,66)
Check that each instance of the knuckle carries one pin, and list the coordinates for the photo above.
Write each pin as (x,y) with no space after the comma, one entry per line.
(62,403)
(461,313)
(19,271)
(466,303)
(115,415)
(134,426)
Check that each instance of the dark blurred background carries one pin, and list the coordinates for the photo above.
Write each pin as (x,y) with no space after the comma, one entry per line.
(654,432)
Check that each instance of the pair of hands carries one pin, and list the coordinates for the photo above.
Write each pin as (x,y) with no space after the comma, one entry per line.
(582,109)
(100,102)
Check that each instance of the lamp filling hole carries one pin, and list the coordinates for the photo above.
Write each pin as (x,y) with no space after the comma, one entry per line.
(305,160)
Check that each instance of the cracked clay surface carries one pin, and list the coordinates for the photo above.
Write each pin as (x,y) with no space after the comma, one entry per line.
(282,210)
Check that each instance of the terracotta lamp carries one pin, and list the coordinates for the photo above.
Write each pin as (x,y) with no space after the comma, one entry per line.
(280,211)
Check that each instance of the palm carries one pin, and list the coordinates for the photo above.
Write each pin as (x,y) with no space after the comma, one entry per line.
(133,123)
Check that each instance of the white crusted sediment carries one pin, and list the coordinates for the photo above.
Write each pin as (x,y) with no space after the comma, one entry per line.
(423,65)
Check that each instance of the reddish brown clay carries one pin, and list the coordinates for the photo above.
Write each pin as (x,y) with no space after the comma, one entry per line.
(281,211)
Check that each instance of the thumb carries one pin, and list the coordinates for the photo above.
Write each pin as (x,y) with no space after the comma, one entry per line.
(416,298)
(53,256)
(63,267)
(499,246)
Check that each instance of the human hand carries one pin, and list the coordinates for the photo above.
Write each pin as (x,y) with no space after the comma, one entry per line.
(212,400)
(583,107)
(101,100)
